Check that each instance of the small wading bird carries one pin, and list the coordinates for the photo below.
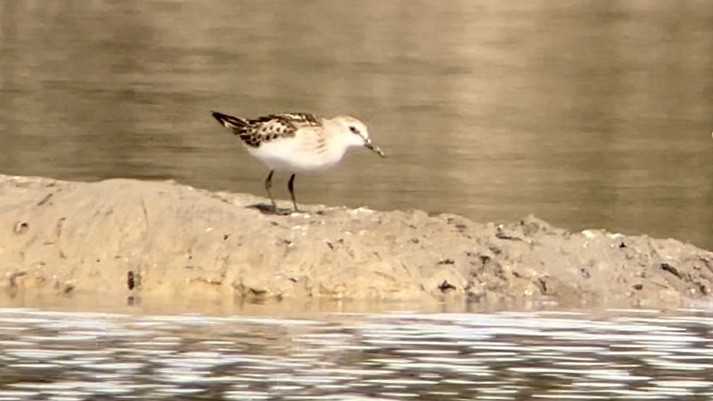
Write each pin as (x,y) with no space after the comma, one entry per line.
(298,142)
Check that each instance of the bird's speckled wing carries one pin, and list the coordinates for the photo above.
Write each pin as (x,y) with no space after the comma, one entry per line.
(257,131)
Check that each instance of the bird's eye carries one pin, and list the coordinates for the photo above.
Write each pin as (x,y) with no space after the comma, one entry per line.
(354,129)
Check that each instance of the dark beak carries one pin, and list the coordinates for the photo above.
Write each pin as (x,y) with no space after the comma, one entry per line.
(373,148)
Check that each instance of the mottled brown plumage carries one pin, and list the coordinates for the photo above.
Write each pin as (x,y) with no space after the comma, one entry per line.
(254,132)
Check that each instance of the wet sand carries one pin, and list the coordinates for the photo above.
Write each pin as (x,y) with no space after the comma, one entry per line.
(135,239)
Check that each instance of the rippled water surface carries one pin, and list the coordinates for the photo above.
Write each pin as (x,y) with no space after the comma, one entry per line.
(618,354)
(587,113)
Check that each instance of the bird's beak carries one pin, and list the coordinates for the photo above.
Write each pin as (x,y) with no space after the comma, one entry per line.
(373,148)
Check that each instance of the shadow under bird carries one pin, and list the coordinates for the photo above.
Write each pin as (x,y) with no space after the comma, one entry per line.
(298,142)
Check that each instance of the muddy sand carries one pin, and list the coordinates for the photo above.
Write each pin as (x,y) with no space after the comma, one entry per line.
(129,238)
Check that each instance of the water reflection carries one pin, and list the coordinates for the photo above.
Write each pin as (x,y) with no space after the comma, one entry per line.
(586,113)
(631,355)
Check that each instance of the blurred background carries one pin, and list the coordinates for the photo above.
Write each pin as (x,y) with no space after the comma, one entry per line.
(587,113)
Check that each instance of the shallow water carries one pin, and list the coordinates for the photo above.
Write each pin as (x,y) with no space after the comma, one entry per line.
(586,113)
(615,354)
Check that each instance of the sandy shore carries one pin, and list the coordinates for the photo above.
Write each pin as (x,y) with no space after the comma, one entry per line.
(161,239)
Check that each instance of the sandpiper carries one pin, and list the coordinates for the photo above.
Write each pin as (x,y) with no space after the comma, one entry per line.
(298,142)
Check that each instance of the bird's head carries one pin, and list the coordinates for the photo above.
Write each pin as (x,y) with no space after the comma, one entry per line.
(355,133)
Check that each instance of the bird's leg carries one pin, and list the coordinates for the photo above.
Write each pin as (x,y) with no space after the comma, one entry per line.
(268,185)
(291,187)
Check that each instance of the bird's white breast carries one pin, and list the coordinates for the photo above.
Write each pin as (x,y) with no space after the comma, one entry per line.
(298,154)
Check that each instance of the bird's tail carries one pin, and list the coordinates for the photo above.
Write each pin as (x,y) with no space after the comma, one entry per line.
(237,124)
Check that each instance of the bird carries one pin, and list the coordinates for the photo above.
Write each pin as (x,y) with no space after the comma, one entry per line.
(298,142)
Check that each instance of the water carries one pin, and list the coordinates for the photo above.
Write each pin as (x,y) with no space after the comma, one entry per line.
(612,355)
(586,113)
